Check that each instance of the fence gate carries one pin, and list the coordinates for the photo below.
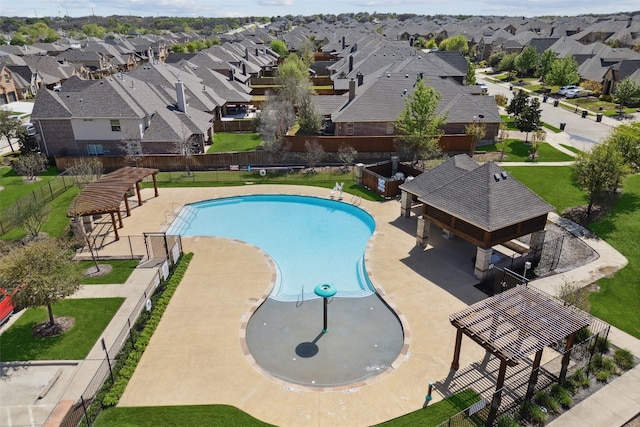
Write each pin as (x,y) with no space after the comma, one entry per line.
(505,279)
(550,256)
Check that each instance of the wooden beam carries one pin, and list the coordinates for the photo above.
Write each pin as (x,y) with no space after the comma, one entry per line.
(567,355)
(497,396)
(455,364)
(115,228)
(533,378)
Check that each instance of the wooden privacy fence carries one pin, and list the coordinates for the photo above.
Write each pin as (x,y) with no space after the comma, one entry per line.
(378,178)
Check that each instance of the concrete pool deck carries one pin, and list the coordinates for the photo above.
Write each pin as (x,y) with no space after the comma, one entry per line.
(226,282)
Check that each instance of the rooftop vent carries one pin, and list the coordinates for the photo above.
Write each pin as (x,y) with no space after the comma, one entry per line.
(504,175)
(496,176)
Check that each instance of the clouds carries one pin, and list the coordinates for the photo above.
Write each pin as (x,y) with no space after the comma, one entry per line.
(275,2)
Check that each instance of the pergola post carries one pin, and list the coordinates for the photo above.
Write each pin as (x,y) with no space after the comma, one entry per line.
(483,260)
(497,395)
(455,364)
(120,219)
(405,203)
(567,356)
(126,205)
(533,378)
(155,185)
(422,233)
(113,222)
(138,192)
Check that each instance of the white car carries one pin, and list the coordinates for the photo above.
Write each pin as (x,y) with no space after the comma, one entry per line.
(577,93)
(564,89)
(30,128)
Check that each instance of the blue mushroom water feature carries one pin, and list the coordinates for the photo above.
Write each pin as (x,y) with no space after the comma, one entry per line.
(326,291)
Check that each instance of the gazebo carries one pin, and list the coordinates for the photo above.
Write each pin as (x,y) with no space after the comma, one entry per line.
(482,204)
(514,324)
(105,195)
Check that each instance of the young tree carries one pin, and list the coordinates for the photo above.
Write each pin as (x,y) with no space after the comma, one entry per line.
(131,146)
(30,166)
(475,131)
(186,146)
(31,214)
(529,118)
(599,171)
(625,91)
(346,154)
(272,123)
(41,273)
(420,125)
(564,71)
(594,87)
(315,153)
(85,171)
(503,133)
(518,103)
(537,138)
(527,60)
(471,72)
(310,121)
(10,127)
(508,63)
(626,139)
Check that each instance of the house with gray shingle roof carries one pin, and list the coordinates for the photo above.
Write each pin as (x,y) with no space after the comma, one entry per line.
(97,116)
(482,204)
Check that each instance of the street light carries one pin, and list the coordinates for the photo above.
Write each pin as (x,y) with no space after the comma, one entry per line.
(527,266)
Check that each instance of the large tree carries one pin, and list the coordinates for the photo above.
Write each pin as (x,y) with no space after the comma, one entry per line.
(279,47)
(529,118)
(41,272)
(293,78)
(564,71)
(518,102)
(508,63)
(545,62)
(272,123)
(527,60)
(455,44)
(599,171)
(626,139)
(420,124)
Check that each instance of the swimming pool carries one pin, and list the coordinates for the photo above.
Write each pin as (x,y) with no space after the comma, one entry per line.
(311,240)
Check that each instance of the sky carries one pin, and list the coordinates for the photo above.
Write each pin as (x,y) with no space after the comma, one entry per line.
(241,8)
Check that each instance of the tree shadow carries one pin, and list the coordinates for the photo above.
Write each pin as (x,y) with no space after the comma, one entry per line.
(626,204)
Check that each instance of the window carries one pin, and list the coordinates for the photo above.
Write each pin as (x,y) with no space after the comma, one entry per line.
(115,125)
(390,128)
(95,149)
(6,78)
(349,129)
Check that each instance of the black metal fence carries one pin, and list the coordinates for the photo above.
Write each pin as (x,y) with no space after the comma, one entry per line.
(38,197)
(83,412)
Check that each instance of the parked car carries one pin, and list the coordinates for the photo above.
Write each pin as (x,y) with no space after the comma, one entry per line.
(563,90)
(577,93)
(30,128)
(6,306)
(483,87)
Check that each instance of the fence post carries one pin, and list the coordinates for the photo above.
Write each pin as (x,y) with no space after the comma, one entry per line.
(104,347)
(50,190)
(130,246)
(84,408)
(130,333)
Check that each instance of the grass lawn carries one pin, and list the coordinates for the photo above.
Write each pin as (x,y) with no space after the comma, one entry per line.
(15,188)
(618,301)
(224,415)
(196,415)
(512,126)
(553,183)
(120,271)
(518,151)
(322,178)
(224,142)
(57,222)
(91,317)
(571,148)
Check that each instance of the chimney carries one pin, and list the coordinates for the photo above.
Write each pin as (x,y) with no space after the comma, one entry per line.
(244,68)
(182,100)
(352,89)
(231,74)
(246,53)
(411,42)
(360,77)
(257,52)
(343,42)
(350,63)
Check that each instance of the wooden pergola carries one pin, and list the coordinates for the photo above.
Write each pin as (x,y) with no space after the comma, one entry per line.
(106,194)
(514,324)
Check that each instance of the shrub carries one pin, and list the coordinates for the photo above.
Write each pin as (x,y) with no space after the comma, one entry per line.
(582,335)
(596,362)
(603,375)
(501,100)
(609,365)
(507,421)
(580,379)
(532,413)
(606,98)
(602,345)
(562,395)
(543,399)
(623,358)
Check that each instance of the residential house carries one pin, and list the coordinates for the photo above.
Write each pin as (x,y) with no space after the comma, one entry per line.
(8,90)
(95,117)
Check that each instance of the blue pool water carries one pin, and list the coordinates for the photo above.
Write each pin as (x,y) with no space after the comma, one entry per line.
(311,240)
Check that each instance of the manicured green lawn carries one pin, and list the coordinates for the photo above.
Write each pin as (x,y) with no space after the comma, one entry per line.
(437,413)
(224,142)
(224,415)
(194,416)
(91,317)
(512,126)
(618,301)
(518,151)
(15,187)
(120,271)
(553,183)
(56,224)
(571,148)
